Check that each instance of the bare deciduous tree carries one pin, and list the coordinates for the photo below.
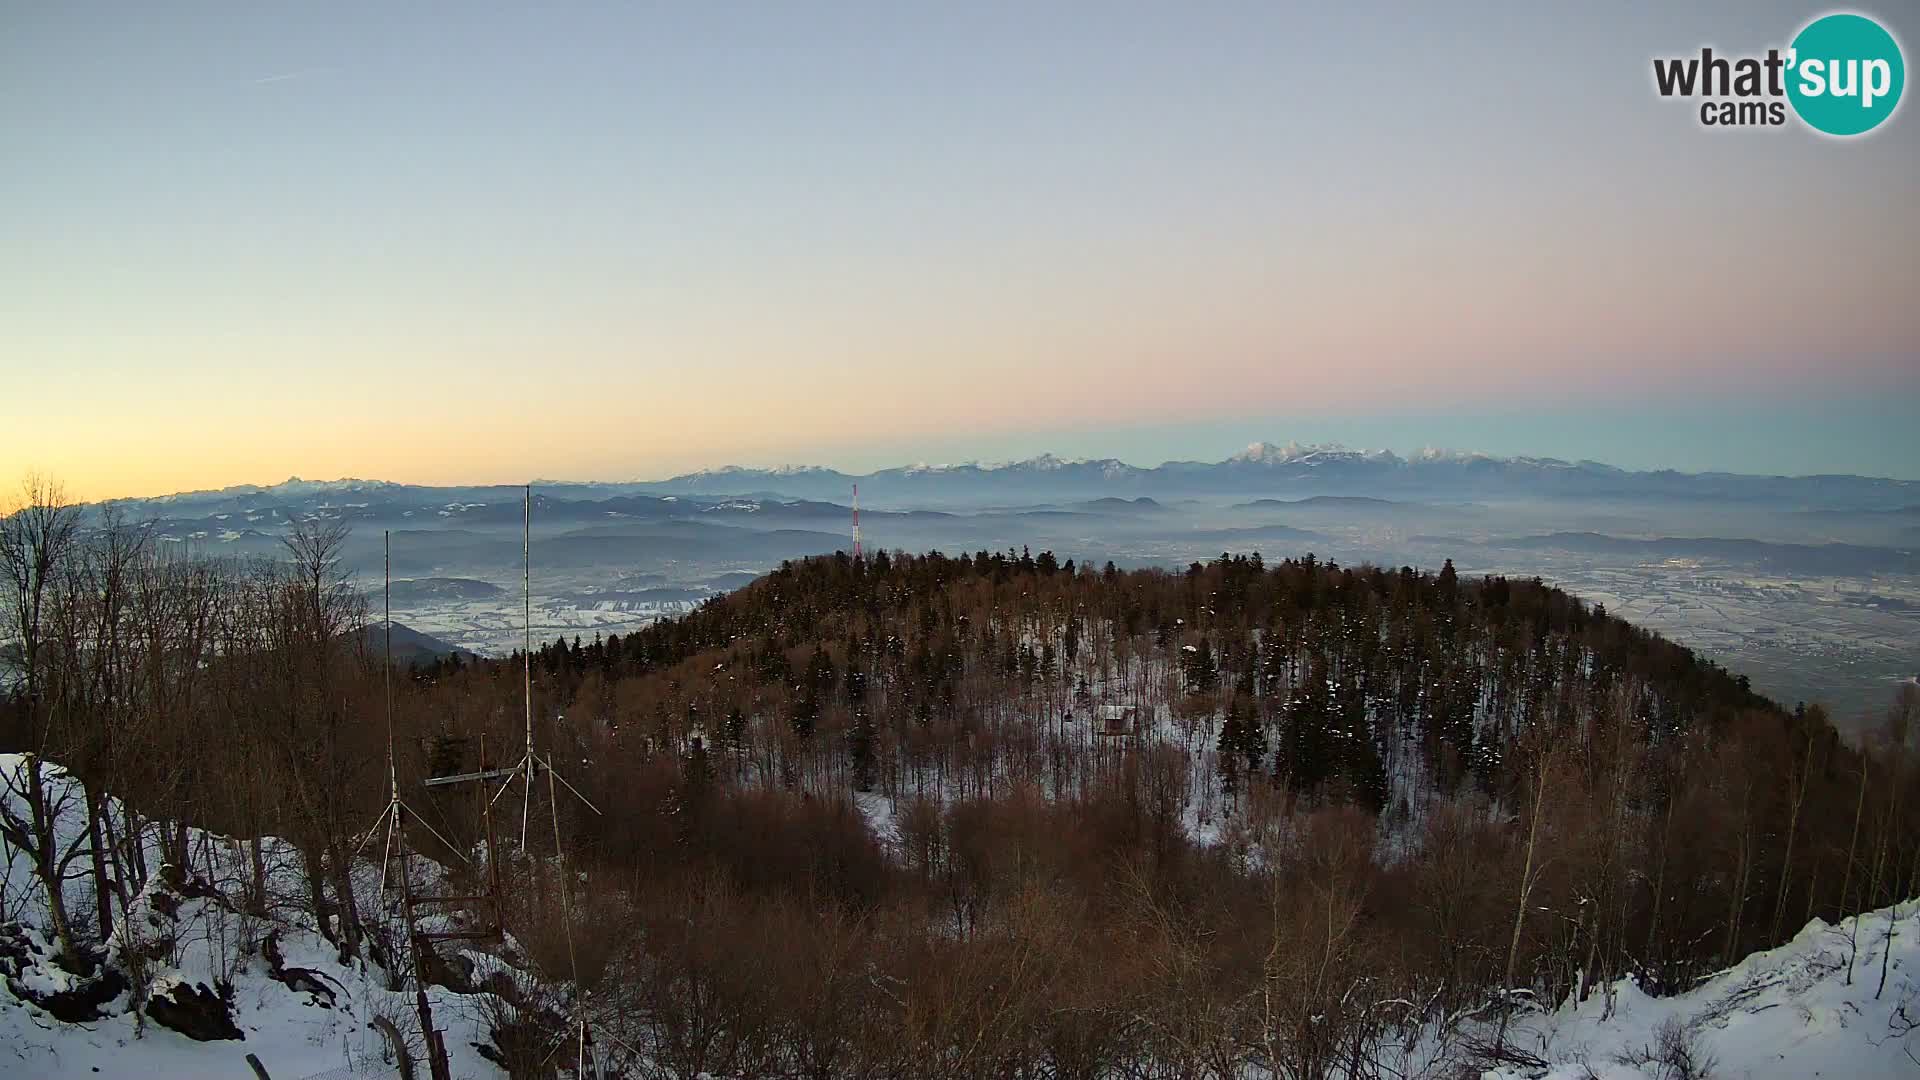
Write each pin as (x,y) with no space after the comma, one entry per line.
(36,543)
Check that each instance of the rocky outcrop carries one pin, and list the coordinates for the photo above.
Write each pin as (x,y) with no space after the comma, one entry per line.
(195,1011)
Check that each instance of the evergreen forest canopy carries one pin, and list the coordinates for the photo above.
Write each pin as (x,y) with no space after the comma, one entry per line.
(993,815)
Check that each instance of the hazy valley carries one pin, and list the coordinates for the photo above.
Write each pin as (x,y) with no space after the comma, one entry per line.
(1810,586)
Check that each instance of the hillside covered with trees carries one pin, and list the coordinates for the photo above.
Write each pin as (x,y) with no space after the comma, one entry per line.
(996,814)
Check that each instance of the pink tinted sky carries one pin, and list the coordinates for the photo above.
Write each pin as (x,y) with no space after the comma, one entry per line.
(611,242)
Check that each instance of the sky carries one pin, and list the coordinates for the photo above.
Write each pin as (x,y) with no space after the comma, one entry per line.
(487,242)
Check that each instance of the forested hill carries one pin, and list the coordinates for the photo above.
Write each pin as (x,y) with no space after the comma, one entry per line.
(1703,818)
(1316,677)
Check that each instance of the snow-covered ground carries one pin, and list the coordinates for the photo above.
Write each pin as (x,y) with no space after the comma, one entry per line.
(291,1001)
(1799,1011)
(295,1033)
(1789,1012)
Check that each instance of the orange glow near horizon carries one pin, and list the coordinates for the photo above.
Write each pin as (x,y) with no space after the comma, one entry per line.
(243,249)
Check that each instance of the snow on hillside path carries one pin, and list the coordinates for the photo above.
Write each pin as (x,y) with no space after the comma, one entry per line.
(1787,1012)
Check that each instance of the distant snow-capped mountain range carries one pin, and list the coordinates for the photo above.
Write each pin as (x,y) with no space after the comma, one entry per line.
(1268,468)
(1261,470)
(1260,454)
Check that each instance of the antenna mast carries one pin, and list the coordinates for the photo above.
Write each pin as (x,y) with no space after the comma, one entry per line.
(393,775)
(856,521)
(526,772)
(527,769)
(395,818)
(395,815)
(526,604)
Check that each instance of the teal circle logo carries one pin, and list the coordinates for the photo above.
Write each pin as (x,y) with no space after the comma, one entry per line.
(1845,74)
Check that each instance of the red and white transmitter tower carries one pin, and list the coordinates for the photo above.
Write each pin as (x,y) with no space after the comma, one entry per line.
(856,521)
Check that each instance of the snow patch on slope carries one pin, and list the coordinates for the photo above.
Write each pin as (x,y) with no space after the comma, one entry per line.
(1786,1012)
(295,1004)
